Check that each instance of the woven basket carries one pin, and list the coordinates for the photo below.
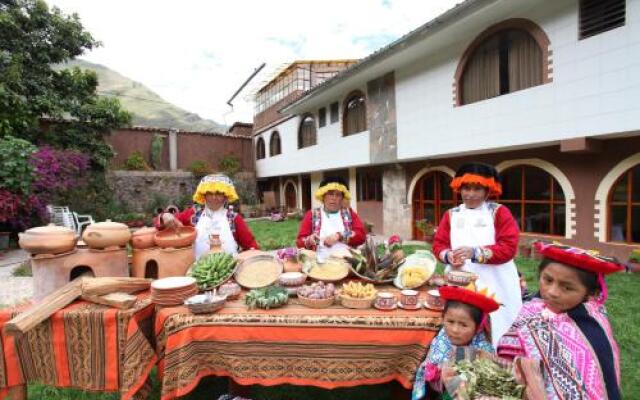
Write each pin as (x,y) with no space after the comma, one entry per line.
(316,303)
(355,302)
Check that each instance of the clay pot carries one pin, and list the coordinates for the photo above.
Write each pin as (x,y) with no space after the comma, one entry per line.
(100,235)
(181,237)
(292,266)
(50,239)
(143,238)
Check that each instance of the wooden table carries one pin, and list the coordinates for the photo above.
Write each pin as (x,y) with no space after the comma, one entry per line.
(84,346)
(327,348)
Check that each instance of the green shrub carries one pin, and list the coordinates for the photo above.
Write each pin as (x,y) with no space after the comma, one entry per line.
(157,143)
(136,162)
(229,165)
(16,171)
(199,168)
(634,257)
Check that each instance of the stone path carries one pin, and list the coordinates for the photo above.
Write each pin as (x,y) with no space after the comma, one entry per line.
(14,289)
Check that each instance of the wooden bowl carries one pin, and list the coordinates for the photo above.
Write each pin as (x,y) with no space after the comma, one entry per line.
(182,237)
(316,303)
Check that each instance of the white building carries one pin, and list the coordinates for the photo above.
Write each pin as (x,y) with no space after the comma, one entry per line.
(548,91)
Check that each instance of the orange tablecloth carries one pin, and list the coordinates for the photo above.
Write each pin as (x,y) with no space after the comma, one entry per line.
(328,348)
(85,346)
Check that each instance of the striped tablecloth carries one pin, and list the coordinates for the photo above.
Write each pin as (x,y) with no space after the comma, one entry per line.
(85,346)
(327,348)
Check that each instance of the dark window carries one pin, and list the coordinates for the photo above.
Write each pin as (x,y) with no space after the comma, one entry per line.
(322,117)
(307,132)
(354,117)
(624,208)
(597,16)
(260,151)
(505,62)
(369,186)
(432,196)
(274,144)
(335,112)
(535,199)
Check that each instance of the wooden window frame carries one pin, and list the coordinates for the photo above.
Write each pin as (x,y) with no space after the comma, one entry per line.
(315,132)
(356,94)
(628,203)
(437,201)
(260,149)
(275,135)
(522,202)
(334,112)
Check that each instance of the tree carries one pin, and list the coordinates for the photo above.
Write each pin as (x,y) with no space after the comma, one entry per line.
(33,40)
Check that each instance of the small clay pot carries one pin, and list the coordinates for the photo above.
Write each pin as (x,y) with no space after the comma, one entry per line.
(181,237)
(50,239)
(100,235)
(143,238)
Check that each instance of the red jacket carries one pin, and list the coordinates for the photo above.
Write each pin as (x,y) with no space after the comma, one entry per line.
(356,236)
(506,243)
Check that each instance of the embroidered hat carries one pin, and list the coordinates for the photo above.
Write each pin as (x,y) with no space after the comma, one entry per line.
(588,260)
(332,183)
(479,174)
(470,295)
(217,183)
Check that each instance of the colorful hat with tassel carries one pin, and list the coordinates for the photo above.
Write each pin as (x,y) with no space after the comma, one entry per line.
(217,183)
(469,294)
(332,183)
(477,174)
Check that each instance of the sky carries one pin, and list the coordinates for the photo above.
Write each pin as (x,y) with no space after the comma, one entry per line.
(197,53)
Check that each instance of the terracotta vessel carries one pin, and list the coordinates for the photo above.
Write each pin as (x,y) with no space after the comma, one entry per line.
(181,237)
(50,239)
(105,234)
(143,238)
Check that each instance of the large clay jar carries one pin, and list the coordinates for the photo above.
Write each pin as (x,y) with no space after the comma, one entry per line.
(180,237)
(100,235)
(143,238)
(50,239)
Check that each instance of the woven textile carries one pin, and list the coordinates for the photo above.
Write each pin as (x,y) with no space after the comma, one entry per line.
(85,346)
(328,348)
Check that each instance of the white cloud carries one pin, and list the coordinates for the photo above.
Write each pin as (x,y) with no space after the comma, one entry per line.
(196,53)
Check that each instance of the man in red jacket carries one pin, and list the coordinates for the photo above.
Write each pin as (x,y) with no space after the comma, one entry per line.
(333,226)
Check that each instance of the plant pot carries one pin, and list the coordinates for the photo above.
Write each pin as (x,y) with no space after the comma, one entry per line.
(143,238)
(50,239)
(100,235)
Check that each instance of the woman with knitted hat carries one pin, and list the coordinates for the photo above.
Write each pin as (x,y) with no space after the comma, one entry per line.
(214,193)
(481,236)
(331,227)
(567,327)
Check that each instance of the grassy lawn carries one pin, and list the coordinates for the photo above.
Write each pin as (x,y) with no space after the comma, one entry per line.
(622,306)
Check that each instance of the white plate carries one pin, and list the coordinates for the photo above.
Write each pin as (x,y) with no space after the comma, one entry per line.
(173,282)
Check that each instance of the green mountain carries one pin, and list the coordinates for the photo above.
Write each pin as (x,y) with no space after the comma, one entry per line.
(147,107)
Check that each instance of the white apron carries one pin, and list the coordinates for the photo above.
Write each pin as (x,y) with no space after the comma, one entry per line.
(473,228)
(214,222)
(329,225)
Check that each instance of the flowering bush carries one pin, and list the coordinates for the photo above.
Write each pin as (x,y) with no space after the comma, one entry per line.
(56,171)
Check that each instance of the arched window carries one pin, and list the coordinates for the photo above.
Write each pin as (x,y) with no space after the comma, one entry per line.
(432,196)
(507,57)
(274,144)
(624,207)
(535,199)
(260,151)
(354,118)
(307,132)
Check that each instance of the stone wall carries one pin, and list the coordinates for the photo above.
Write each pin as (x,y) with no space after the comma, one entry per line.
(396,211)
(138,189)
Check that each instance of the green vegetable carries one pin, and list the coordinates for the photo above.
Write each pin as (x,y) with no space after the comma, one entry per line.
(212,269)
(486,378)
(267,297)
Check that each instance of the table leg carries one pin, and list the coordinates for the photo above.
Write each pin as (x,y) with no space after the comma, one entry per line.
(237,389)
(18,393)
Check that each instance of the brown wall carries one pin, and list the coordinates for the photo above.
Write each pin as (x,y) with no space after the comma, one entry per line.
(584,171)
(272,114)
(191,146)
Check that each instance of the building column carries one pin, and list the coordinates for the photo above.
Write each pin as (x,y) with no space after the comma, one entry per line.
(396,213)
(280,192)
(299,193)
(353,188)
(173,149)
(316,177)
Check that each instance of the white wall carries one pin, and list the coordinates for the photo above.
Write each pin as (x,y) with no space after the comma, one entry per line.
(595,91)
(332,150)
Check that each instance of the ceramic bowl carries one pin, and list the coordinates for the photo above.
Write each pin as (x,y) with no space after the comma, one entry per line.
(50,239)
(182,237)
(460,278)
(292,279)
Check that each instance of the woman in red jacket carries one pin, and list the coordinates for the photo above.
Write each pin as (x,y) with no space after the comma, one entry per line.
(214,192)
(333,226)
(481,236)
